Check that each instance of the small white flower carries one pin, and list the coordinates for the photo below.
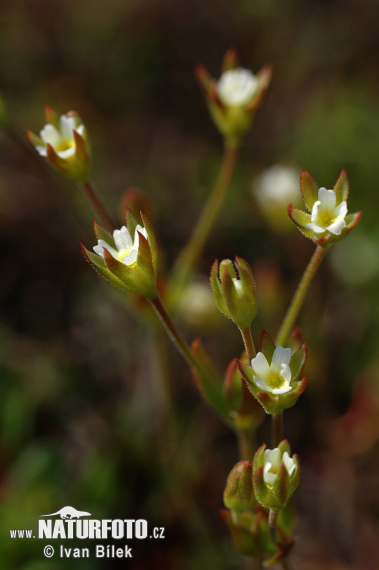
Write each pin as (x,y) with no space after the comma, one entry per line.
(326,216)
(61,139)
(274,377)
(127,250)
(271,464)
(237,86)
(278,184)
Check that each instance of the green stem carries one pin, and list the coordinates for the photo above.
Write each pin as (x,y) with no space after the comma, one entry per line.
(246,444)
(298,298)
(186,262)
(272,520)
(276,429)
(249,343)
(173,332)
(98,205)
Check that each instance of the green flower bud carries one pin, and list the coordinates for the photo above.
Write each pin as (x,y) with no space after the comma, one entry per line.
(63,141)
(233,290)
(128,259)
(239,491)
(276,475)
(273,377)
(328,220)
(234,98)
(249,531)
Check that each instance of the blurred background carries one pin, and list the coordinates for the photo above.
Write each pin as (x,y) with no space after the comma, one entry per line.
(85,418)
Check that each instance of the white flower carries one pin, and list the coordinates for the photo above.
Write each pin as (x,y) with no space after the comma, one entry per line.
(127,250)
(271,464)
(278,184)
(274,377)
(326,216)
(61,139)
(236,86)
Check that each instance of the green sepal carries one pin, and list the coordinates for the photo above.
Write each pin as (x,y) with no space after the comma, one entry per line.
(131,221)
(281,487)
(351,221)
(297,362)
(267,346)
(52,117)
(34,139)
(239,491)
(101,233)
(98,264)
(264,78)
(341,187)
(216,290)
(152,242)
(56,161)
(82,163)
(309,189)
(300,219)
(208,381)
(206,81)
(139,279)
(233,386)
(230,60)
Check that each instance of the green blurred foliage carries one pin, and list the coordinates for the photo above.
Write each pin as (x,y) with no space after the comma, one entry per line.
(83,415)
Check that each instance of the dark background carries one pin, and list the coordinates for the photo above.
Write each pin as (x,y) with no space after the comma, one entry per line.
(83,417)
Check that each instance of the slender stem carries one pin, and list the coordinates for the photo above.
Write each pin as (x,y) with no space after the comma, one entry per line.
(246,444)
(98,205)
(277,429)
(189,256)
(249,343)
(173,332)
(272,520)
(298,298)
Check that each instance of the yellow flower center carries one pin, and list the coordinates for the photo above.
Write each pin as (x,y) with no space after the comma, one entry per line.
(65,144)
(274,379)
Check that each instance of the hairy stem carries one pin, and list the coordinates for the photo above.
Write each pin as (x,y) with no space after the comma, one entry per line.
(173,332)
(276,429)
(98,205)
(272,520)
(188,258)
(299,296)
(249,343)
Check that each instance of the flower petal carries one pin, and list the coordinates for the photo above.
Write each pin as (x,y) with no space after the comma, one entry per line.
(289,463)
(130,258)
(261,384)
(67,125)
(336,227)
(49,134)
(285,371)
(281,390)
(316,228)
(67,153)
(101,244)
(123,239)
(327,198)
(260,365)
(281,356)
(273,456)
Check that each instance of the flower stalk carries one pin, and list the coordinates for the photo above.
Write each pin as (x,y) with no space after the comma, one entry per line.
(98,205)
(299,296)
(188,258)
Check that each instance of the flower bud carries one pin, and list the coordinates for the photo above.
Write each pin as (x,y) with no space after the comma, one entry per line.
(64,143)
(233,290)
(276,475)
(249,531)
(328,220)
(234,98)
(128,259)
(239,491)
(273,377)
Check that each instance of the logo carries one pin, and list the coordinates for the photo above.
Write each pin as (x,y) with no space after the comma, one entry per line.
(69,513)
(70,523)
